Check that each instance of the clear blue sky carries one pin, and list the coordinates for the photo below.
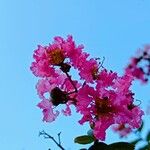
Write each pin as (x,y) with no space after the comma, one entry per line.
(110,28)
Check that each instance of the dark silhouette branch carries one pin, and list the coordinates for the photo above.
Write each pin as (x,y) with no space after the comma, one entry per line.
(59,138)
(69,77)
(47,136)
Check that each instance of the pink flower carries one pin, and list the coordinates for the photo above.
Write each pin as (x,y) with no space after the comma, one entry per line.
(89,70)
(48,113)
(122,129)
(106,79)
(103,100)
(60,91)
(136,72)
(42,87)
(123,83)
(48,57)
(61,55)
(101,126)
(42,69)
(46,85)
(139,66)
(74,53)
(137,113)
(110,102)
(67,111)
(39,53)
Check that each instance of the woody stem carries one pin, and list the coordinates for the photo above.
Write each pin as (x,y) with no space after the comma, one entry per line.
(69,77)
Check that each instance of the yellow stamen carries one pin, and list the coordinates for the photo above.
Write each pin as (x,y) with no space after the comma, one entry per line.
(95,73)
(103,107)
(56,56)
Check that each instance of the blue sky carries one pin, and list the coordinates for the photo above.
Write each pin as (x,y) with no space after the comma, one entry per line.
(110,28)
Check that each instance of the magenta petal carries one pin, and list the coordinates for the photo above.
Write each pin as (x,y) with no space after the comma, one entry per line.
(48,113)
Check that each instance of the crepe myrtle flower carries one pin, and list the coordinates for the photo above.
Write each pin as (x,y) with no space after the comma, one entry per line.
(122,129)
(48,57)
(139,65)
(62,55)
(49,105)
(103,106)
(60,91)
(48,112)
(103,98)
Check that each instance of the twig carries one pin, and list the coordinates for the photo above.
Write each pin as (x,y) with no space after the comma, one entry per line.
(101,64)
(84,84)
(59,138)
(47,136)
(69,77)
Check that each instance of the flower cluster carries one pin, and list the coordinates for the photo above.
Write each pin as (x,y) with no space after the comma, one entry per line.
(139,65)
(102,97)
(110,102)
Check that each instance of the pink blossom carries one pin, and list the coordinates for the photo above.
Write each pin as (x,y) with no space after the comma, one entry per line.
(60,53)
(106,79)
(74,52)
(106,105)
(47,84)
(89,70)
(137,114)
(122,129)
(42,69)
(48,112)
(47,57)
(136,72)
(67,111)
(104,98)
(123,83)
(139,65)
(101,126)
(39,53)
(57,88)
(42,87)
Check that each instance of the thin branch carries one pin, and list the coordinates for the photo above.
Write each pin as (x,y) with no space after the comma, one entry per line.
(101,64)
(69,77)
(47,136)
(84,84)
(59,138)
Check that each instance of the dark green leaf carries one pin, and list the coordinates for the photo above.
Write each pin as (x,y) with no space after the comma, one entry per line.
(144,148)
(148,137)
(85,139)
(99,146)
(121,146)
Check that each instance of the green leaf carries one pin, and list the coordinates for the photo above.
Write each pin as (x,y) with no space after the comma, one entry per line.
(84,139)
(99,146)
(121,146)
(144,148)
(148,137)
